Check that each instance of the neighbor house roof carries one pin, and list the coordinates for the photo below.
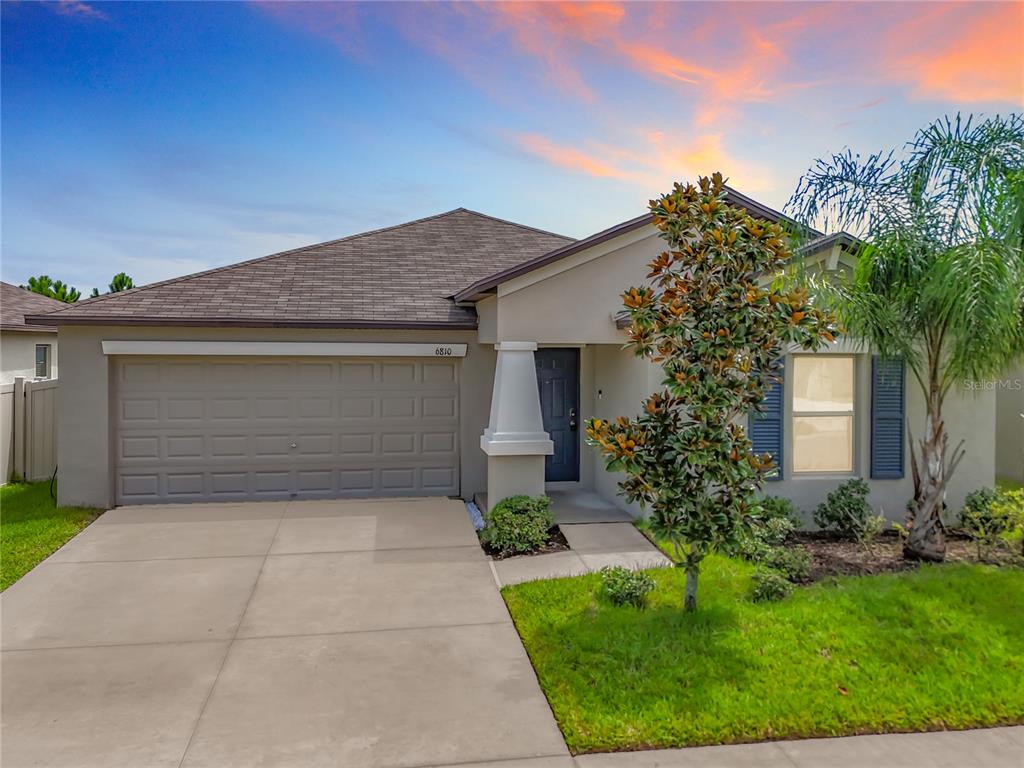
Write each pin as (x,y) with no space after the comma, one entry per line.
(401,276)
(16,302)
(477,289)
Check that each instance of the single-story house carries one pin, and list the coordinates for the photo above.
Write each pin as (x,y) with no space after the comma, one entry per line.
(453,355)
(27,350)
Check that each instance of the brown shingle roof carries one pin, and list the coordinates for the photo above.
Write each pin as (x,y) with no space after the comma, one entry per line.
(401,276)
(16,302)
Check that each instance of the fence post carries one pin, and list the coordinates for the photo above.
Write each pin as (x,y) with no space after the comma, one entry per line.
(19,427)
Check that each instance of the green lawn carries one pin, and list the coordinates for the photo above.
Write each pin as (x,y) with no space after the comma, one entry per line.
(32,526)
(941,647)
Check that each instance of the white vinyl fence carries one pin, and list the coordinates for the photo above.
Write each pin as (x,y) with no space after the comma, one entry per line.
(28,429)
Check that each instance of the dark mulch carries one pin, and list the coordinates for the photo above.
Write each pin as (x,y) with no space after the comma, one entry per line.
(832,555)
(556,543)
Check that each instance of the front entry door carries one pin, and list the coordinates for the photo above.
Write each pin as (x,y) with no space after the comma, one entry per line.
(559,380)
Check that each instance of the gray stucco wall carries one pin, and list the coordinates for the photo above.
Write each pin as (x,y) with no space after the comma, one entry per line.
(84,404)
(1010,425)
(625,381)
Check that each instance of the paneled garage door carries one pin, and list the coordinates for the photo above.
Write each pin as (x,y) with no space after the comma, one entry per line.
(192,429)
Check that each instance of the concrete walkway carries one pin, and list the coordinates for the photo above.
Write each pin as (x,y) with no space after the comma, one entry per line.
(989,748)
(356,633)
(592,546)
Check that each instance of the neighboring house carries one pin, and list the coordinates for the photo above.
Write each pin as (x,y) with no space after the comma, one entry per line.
(1010,426)
(26,349)
(452,355)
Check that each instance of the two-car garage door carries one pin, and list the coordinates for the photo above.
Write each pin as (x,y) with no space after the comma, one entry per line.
(191,429)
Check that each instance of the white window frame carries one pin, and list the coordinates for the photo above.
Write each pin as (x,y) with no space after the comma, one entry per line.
(793,414)
(48,348)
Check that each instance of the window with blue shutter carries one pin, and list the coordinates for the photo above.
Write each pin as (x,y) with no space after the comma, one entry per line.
(766,428)
(888,411)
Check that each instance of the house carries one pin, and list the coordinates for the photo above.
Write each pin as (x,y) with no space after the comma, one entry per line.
(453,355)
(1010,426)
(27,350)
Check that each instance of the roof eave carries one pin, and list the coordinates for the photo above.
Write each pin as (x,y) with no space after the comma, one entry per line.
(26,328)
(240,322)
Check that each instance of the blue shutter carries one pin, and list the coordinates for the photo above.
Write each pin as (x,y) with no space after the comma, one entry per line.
(766,429)
(887,417)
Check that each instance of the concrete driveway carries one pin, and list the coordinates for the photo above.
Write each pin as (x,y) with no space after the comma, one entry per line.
(341,633)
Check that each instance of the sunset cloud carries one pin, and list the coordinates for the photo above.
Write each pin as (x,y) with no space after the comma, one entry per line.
(982,63)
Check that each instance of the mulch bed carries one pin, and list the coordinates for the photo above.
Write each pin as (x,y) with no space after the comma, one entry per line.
(556,543)
(835,556)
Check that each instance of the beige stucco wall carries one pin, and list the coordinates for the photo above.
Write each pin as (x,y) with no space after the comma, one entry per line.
(84,452)
(1010,425)
(575,305)
(18,354)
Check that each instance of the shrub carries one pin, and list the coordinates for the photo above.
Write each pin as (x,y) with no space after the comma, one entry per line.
(769,585)
(846,509)
(518,524)
(989,515)
(792,562)
(625,587)
(779,508)
(871,530)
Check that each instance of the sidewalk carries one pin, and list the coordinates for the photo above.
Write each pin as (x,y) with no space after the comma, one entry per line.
(988,748)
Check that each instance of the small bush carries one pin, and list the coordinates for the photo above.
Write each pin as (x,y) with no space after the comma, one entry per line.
(779,508)
(769,585)
(518,525)
(794,563)
(845,510)
(625,587)
(871,530)
(988,516)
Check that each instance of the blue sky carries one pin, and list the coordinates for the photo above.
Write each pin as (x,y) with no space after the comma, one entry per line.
(163,138)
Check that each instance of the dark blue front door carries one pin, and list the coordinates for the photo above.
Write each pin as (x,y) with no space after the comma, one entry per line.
(559,381)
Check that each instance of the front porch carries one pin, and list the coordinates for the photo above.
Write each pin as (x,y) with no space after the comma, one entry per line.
(575,507)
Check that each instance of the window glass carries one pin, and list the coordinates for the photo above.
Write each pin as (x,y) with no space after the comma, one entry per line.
(823,383)
(822,443)
(823,413)
(42,361)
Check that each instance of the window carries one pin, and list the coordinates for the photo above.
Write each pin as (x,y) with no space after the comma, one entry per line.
(42,361)
(822,413)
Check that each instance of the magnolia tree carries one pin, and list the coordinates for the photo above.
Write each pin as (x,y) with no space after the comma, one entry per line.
(707,318)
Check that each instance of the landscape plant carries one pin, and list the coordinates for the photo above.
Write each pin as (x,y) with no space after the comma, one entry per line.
(990,516)
(518,525)
(939,281)
(845,510)
(623,586)
(706,316)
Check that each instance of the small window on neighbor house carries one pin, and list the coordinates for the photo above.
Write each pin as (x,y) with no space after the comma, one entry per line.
(42,361)
(822,413)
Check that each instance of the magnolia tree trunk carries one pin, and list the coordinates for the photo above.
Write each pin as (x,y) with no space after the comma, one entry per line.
(692,574)
(926,539)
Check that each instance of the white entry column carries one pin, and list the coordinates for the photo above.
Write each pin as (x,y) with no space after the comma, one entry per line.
(515,441)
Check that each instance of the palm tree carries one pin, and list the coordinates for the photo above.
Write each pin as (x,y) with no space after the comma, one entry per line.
(940,278)
(55,289)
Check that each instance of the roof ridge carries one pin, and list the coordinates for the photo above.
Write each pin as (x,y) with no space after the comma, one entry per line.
(248,262)
(517,224)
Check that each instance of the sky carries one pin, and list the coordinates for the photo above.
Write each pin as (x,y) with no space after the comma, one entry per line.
(163,138)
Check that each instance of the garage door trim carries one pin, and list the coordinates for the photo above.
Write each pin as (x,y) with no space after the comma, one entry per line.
(283,348)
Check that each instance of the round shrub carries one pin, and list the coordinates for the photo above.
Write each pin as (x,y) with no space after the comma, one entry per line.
(989,515)
(794,563)
(625,587)
(779,508)
(518,524)
(845,510)
(769,585)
